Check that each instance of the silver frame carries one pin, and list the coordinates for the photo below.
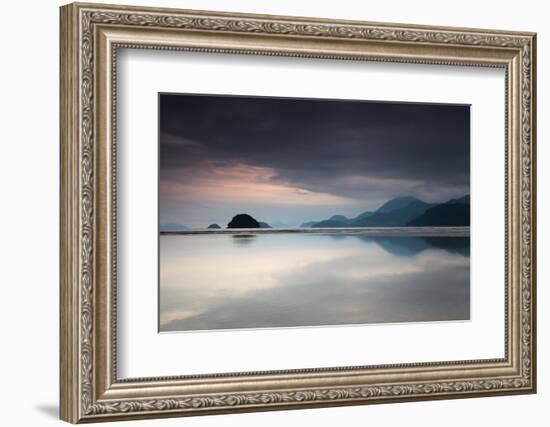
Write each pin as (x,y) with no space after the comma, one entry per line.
(90,37)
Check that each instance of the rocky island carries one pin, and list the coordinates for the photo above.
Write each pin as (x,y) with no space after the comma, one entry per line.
(243,221)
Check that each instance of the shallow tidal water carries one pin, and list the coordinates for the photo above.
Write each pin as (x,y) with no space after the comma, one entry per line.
(227,280)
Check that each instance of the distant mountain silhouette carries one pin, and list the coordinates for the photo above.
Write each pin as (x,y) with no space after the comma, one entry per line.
(243,221)
(394,213)
(362,216)
(172,226)
(398,212)
(397,203)
(340,218)
(308,224)
(453,214)
(463,200)
(330,223)
(338,221)
(405,210)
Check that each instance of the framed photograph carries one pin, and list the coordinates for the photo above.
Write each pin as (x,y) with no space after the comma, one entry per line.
(265,212)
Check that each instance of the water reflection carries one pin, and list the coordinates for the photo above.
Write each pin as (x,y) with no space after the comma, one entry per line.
(242,239)
(409,246)
(220,281)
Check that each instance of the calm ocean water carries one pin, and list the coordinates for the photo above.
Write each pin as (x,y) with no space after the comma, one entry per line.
(223,280)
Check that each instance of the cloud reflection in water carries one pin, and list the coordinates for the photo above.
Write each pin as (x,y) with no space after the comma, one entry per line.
(279,280)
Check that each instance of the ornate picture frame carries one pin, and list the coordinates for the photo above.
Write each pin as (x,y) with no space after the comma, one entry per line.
(90,37)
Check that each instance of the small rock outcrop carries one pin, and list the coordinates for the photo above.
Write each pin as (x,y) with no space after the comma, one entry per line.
(243,221)
(214,226)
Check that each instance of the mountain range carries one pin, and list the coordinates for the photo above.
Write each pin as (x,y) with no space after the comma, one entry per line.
(399,212)
(403,212)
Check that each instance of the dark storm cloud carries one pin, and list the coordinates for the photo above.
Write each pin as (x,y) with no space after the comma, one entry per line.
(319,145)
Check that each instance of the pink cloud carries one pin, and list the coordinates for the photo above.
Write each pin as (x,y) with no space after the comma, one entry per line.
(241,183)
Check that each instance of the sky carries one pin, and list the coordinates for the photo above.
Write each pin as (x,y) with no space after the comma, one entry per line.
(286,161)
